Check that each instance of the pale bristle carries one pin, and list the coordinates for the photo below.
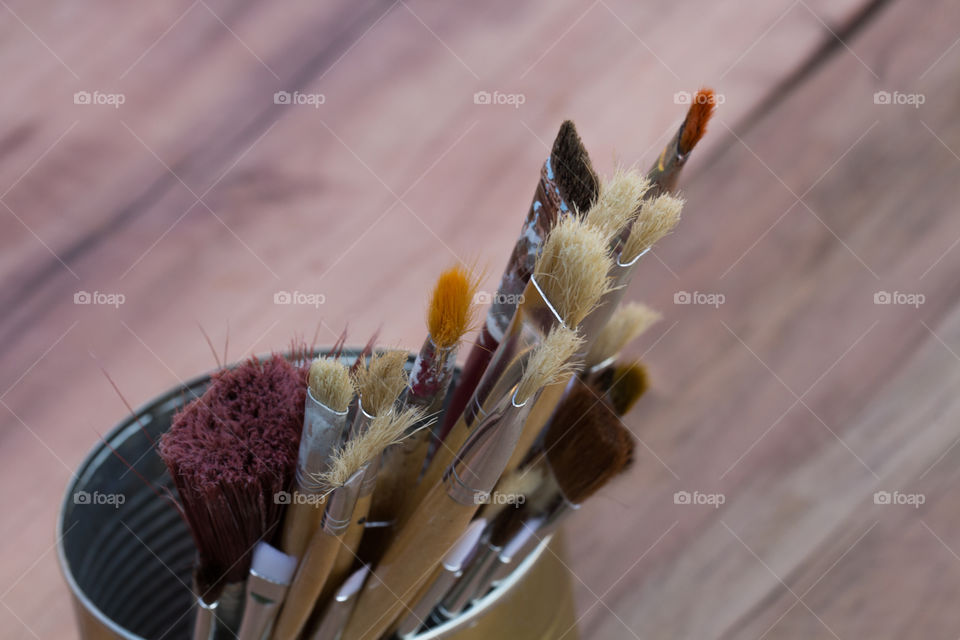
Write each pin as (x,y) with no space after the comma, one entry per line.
(625,325)
(657,218)
(520,482)
(549,362)
(572,270)
(451,309)
(381,381)
(385,429)
(330,383)
(619,202)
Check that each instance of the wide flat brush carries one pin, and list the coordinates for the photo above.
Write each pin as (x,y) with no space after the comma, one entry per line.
(568,186)
(271,571)
(229,453)
(338,610)
(445,512)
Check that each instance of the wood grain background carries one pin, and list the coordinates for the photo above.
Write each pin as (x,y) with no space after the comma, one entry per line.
(796,399)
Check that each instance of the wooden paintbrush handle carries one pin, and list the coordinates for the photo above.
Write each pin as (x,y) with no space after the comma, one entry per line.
(307,584)
(347,555)
(302,519)
(413,555)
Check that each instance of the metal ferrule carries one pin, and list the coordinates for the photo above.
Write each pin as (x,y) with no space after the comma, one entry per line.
(420,611)
(369,482)
(361,421)
(430,377)
(334,618)
(466,589)
(340,504)
(264,598)
(203,623)
(322,430)
(534,318)
(619,275)
(482,458)
(665,173)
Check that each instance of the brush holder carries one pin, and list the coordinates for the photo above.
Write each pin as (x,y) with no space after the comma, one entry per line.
(127,556)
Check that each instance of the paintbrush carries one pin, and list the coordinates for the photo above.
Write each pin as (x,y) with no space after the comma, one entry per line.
(341,605)
(568,185)
(328,397)
(626,324)
(665,172)
(439,584)
(230,453)
(378,385)
(622,385)
(569,279)
(446,510)
(450,314)
(270,573)
(345,477)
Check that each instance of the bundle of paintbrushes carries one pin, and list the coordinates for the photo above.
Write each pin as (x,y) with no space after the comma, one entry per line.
(371,497)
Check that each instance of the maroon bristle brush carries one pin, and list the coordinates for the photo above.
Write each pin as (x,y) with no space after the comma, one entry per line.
(229,453)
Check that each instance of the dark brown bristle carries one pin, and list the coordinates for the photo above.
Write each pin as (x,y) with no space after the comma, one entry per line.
(586,445)
(695,124)
(229,452)
(507,524)
(630,381)
(573,171)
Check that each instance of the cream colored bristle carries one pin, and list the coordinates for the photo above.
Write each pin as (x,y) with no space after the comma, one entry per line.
(549,362)
(386,429)
(618,203)
(625,325)
(657,218)
(330,385)
(520,482)
(572,270)
(381,381)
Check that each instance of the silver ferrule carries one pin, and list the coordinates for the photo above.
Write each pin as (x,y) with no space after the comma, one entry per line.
(361,421)
(619,277)
(534,318)
(322,430)
(339,512)
(264,598)
(369,482)
(483,457)
(430,377)
(420,611)
(467,588)
(334,618)
(203,623)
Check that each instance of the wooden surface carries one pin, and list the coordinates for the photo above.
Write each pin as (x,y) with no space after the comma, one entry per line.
(798,398)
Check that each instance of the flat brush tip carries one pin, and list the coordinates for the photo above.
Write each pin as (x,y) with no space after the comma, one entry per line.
(698,115)
(629,383)
(273,564)
(451,307)
(573,171)
(329,381)
(461,549)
